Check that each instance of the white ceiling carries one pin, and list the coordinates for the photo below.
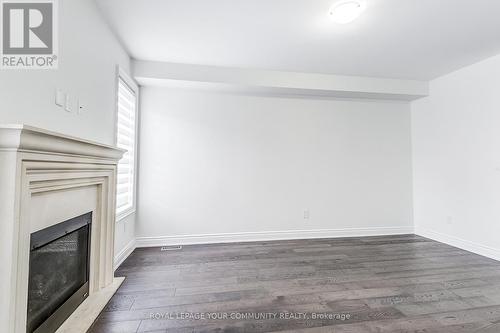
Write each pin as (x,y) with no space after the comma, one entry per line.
(405,39)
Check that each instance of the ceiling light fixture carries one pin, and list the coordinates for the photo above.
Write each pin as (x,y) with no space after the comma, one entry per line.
(344,12)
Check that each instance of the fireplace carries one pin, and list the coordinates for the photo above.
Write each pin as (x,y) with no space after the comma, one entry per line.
(58,279)
(57,258)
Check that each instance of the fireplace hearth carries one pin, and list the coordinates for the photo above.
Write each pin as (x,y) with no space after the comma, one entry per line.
(58,280)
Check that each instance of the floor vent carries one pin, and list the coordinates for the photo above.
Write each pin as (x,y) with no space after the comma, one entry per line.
(171,248)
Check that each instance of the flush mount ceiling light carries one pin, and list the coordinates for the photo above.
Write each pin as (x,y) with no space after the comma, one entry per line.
(346,11)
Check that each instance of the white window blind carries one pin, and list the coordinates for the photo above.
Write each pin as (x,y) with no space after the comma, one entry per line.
(126,139)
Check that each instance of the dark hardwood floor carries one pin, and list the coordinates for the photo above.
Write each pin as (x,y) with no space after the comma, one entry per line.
(370,284)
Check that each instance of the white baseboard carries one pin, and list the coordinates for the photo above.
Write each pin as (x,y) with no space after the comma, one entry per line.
(269,235)
(463,244)
(124,253)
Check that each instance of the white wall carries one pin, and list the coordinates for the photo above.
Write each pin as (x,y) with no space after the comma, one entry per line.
(224,163)
(456,147)
(89,53)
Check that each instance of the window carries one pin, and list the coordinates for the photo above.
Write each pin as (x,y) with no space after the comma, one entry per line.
(126,138)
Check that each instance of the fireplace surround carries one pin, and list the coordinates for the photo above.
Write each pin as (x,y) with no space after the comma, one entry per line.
(47,178)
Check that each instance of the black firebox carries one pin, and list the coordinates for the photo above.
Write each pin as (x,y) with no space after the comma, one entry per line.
(58,273)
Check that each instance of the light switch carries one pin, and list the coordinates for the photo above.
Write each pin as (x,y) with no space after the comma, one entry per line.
(60,97)
(67,103)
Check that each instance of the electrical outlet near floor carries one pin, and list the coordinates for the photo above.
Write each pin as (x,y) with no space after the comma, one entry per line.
(449,220)
(306,214)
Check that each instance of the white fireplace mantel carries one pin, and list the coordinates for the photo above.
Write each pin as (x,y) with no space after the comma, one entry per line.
(46,178)
(32,139)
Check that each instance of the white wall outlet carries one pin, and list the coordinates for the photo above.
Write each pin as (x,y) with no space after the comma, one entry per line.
(60,97)
(449,220)
(67,103)
(306,214)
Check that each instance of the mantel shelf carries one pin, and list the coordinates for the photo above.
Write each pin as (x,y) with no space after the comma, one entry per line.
(21,137)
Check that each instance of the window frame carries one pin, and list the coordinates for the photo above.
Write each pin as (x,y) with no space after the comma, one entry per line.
(125,77)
